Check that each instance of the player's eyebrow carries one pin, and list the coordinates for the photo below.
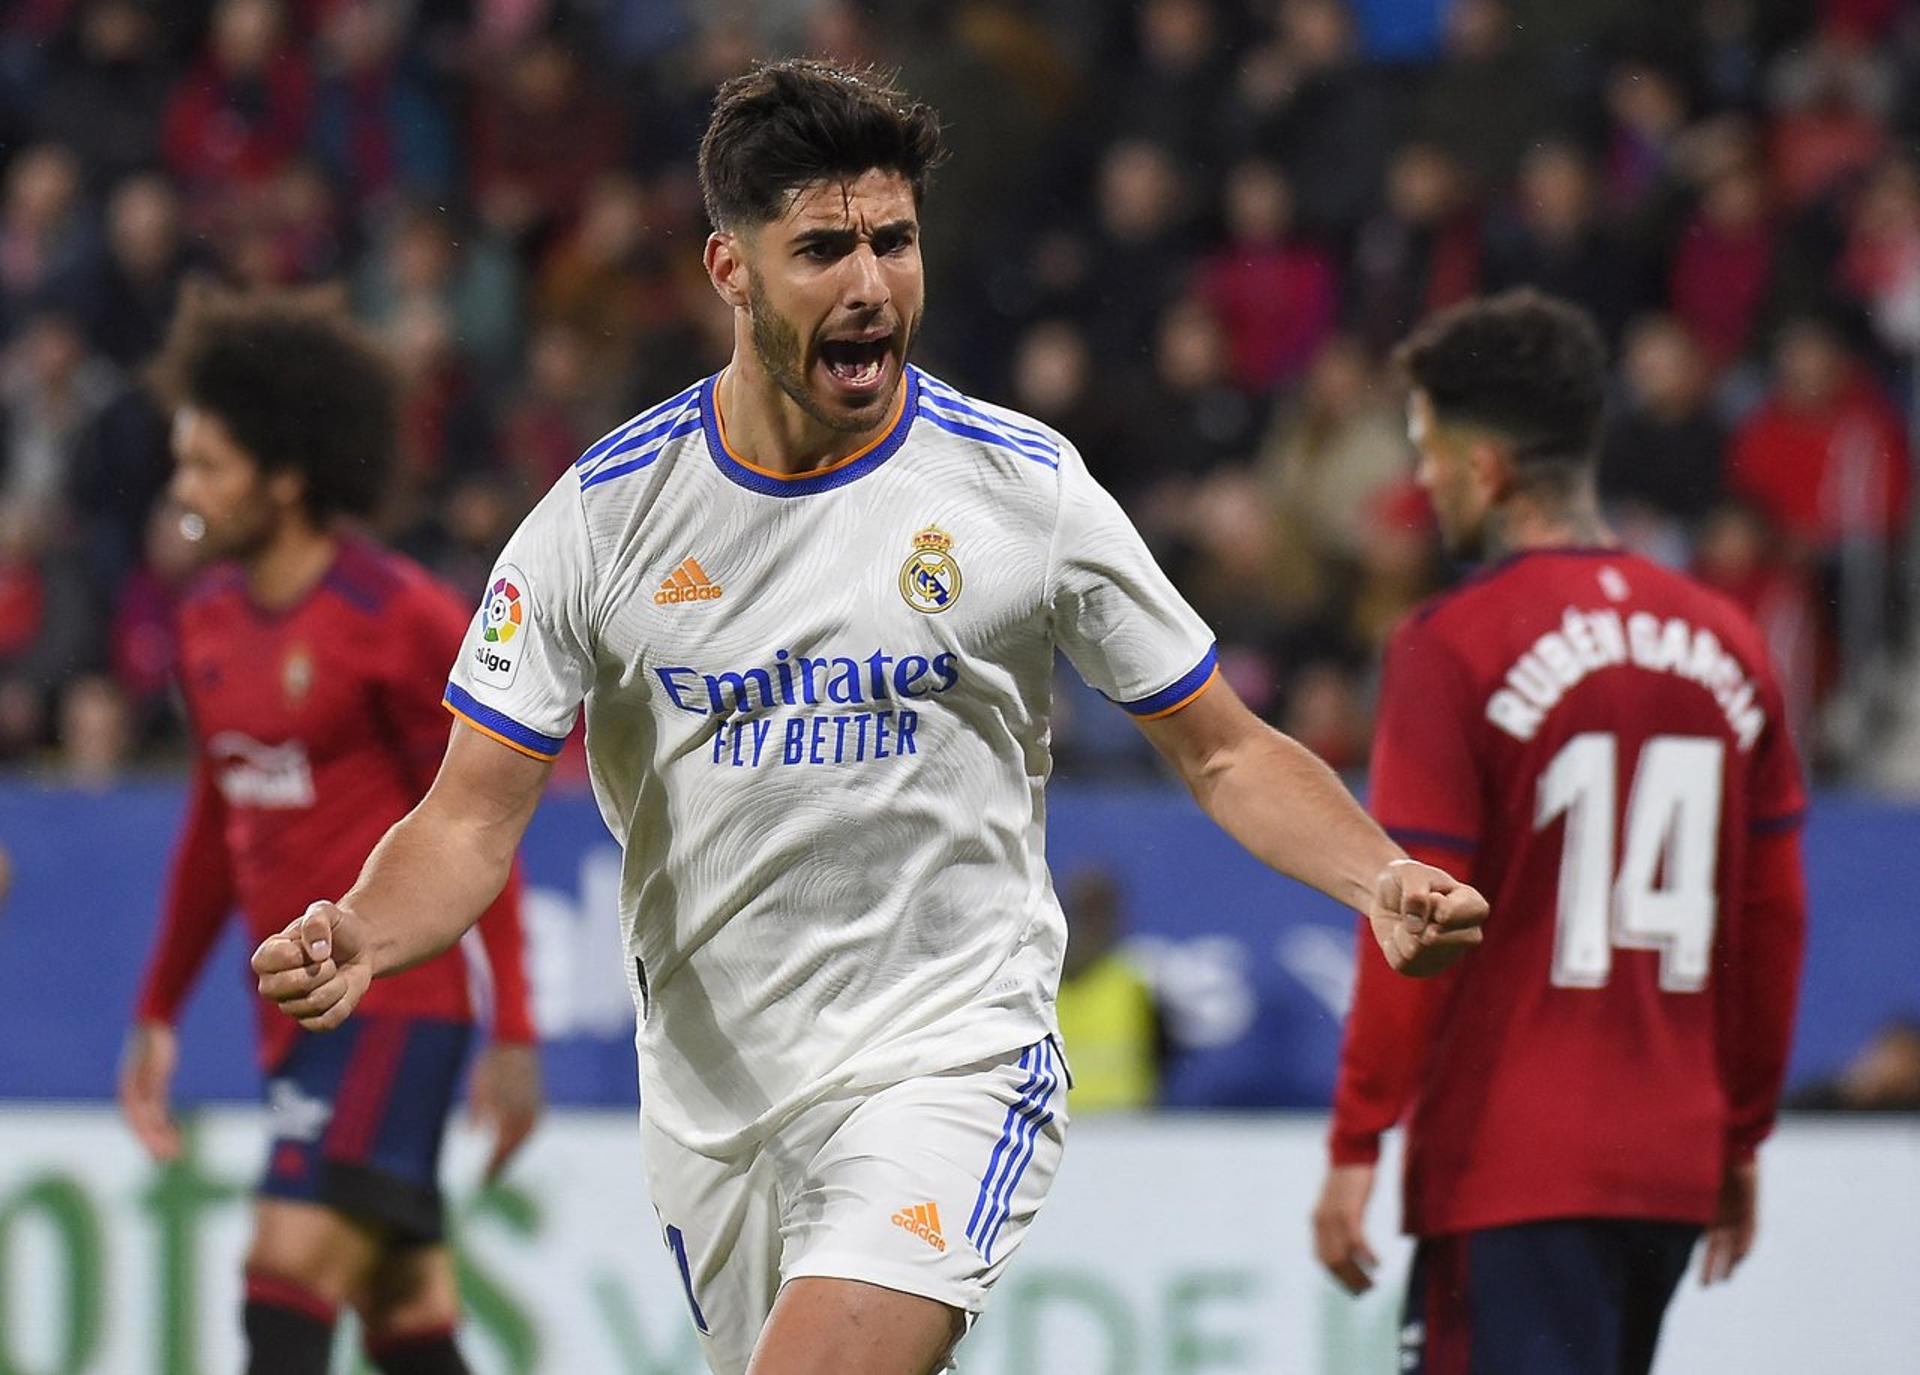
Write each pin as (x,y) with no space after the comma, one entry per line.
(842,238)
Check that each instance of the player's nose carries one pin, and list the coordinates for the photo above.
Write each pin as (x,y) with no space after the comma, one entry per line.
(865,286)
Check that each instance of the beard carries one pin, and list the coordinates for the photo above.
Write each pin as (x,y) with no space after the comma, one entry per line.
(244,536)
(778,346)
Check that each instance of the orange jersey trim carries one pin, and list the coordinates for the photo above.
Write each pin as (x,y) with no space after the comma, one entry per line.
(513,745)
(720,427)
(1184,702)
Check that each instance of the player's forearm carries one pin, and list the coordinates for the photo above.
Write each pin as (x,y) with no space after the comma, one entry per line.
(1292,812)
(199,897)
(425,884)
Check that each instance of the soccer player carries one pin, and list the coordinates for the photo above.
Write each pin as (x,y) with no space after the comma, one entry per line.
(811,605)
(1600,745)
(310,663)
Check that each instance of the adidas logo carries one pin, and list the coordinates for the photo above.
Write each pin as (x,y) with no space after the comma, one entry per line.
(923,1220)
(689,583)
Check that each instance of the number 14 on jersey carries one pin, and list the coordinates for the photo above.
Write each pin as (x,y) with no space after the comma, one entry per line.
(1651,889)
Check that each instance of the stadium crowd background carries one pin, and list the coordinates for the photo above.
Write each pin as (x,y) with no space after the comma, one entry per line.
(1184,232)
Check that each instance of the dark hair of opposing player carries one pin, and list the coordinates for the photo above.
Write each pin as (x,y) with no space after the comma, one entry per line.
(789,124)
(297,385)
(1524,365)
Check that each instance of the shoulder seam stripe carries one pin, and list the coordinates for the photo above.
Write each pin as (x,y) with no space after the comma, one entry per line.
(960,401)
(966,431)
(609,440)
(954,411)
(633,442)
(608,472)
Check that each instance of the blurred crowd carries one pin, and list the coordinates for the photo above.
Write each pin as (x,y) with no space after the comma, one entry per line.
(1186,233)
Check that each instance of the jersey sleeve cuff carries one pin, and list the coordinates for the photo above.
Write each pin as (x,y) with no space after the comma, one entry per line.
(499,726)
(1777,825)
(1347,1147)
(1180,692)
(1413,838)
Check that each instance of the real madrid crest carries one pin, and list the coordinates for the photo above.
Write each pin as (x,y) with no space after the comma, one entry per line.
(930,579)
(296,673)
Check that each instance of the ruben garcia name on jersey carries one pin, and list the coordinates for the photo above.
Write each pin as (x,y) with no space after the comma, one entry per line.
(745,740)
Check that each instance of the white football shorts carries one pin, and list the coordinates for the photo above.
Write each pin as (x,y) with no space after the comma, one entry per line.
(926,1186)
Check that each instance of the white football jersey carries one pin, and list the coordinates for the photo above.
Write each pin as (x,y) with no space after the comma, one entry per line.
(817,722)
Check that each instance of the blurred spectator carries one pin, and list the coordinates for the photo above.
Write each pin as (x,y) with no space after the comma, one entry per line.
(1256,589)
(1326,118)
(133,295)
(1053,381)
(1738,553)
(241,115)
(51,390)
(1325,713)
(1333,453)
(1646,111)
(95,732)
(1661,460)
(1832,98)
(1420,253)
(608,280)
(1557,243)
(421,259)
(47,630)
(1110,1025)
(1485,100)
(289,232)
(106,87)
(542,136)
(445,430)
(1826,455)
(561,408)
(1882,263)
(1723,265)
(1190,419)
(1396,567)
(121,466)
(377,129)
(45,238)
(1273,294)
(1141,202)
(479,513)
(1883,1077)
(1171,95)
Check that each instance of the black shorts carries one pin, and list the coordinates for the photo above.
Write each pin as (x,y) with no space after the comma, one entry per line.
(358,1115)
(1575,1296)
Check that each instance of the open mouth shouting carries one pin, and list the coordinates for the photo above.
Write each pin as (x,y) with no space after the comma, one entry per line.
(858,364)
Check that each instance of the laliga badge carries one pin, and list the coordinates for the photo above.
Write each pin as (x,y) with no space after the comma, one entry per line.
(930,579)
(496,651)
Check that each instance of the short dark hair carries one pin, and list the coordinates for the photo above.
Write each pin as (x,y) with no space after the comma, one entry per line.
(785,125)
(296,384)
(1523,364)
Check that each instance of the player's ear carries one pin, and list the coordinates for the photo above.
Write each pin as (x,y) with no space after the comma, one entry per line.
(727,267)
(286,487)
(1491,468)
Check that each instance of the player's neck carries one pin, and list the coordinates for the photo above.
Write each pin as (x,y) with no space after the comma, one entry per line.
(1526,522)
(762,425)
(290,565)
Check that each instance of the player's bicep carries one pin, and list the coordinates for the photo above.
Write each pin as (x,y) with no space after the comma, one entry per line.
(487,787)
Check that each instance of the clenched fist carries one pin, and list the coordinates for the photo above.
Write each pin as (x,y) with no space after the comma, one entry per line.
(317,968)
(1424,918)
